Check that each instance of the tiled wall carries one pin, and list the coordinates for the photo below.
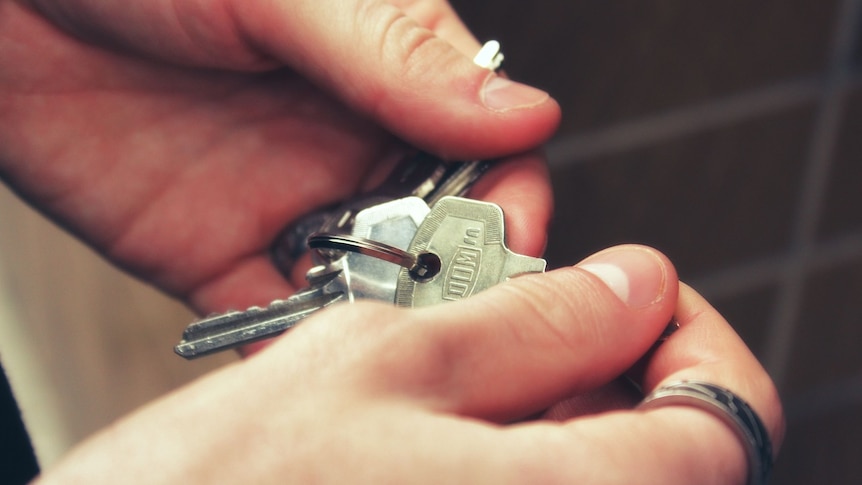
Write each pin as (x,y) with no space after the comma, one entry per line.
(729,135)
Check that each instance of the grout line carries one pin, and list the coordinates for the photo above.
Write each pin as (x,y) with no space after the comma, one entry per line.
(745,277)
(626,135)
(572,149)
(740,279)
(785,318)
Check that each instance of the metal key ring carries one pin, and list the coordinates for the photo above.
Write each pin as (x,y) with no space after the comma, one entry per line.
(361,245)
(422,267)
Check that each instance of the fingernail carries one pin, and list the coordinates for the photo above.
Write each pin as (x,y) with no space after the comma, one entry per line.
(501,94)
(635,274)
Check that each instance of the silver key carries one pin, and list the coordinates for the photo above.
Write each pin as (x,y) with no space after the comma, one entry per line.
(344,277)
(231,329)
(463,241)
(390,224)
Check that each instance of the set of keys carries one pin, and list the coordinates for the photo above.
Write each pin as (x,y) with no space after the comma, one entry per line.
(400,251)
(414,241)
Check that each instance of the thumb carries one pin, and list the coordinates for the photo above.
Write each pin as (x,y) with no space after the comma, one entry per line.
(521,346)
(401,69)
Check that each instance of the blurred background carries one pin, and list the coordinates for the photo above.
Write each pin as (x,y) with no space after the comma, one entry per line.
(727,134)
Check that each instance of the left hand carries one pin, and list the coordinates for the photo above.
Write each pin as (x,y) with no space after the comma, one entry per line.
(178,138)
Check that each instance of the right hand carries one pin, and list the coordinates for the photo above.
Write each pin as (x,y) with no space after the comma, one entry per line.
(370,393)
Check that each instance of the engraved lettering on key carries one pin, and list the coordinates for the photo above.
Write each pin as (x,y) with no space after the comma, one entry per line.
(472,236)
(464,267)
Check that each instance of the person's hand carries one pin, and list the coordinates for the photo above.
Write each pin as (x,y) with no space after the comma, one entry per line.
(178,138)
(368,393)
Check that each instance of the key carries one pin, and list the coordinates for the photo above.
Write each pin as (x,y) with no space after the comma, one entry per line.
(461,246)
(344,277)
(231,329)
(391,224)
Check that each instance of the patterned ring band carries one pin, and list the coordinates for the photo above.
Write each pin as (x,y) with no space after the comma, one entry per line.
(729,408)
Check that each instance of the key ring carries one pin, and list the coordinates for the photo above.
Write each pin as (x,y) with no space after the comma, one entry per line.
(422,267)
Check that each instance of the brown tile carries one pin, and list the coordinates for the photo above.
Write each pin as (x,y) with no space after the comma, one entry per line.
(750,314)
(708,200)
(842,210)
(826,346)
(825,449)
(608,61)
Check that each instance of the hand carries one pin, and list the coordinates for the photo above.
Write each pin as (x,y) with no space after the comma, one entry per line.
(368,393)
(178,138)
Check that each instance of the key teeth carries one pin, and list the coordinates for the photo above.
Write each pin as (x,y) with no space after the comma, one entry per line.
(234,328)
(219,319)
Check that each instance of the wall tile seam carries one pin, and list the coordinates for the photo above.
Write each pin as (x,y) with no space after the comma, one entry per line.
(748,276)
(824,134)
(578,148)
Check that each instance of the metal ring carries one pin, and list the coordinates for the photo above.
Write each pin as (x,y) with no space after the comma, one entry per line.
(731,409)
(361,245)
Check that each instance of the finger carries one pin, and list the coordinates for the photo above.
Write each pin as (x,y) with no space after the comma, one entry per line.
(664,445)
(616,395)
(706,348)
(520,186)
(523,345)
(385,64)
(408,73)
(685,444)
(251,282)
(411,77)
(679,447)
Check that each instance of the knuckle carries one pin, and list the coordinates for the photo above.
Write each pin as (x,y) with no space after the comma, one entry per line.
(405,49)
(403,44)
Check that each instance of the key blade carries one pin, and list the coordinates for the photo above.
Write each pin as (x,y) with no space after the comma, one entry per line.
(232,329)
(463,241)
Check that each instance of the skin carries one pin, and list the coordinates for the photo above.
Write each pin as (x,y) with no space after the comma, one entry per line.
(369,393)
(178,138)
(178,159)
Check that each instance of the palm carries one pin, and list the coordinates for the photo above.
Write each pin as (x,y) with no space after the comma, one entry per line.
(189,174)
